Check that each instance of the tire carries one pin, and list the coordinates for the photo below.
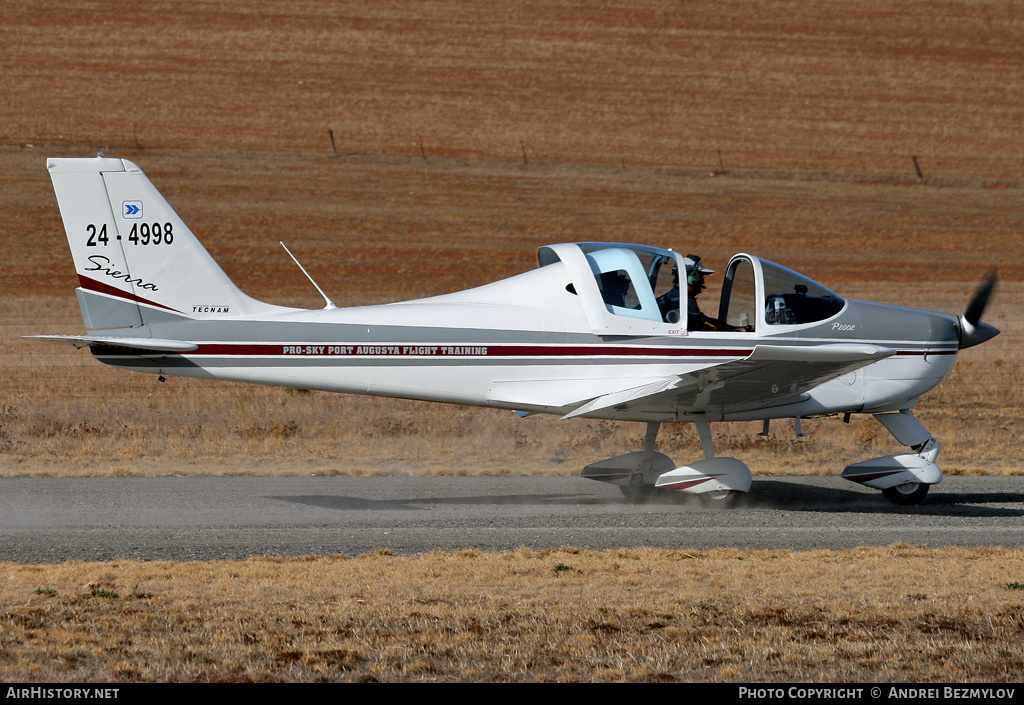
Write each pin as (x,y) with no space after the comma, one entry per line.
(719,499)
(637,493)
(906,494)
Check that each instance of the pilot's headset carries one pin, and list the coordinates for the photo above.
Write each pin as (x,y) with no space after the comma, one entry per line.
(695,273)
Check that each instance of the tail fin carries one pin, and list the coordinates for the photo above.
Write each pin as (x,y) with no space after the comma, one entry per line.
(137,261)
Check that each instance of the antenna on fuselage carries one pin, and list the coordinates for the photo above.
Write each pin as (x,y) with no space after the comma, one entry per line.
(330,304)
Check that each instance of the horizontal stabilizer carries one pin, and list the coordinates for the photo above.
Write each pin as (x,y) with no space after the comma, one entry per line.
(84,341)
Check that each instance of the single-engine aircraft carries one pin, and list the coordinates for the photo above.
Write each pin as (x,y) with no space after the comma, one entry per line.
(596,331)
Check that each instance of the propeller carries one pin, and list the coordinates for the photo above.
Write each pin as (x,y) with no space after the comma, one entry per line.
(972,330)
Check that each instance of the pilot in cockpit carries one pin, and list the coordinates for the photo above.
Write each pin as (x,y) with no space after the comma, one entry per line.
(668,303)
(696,319)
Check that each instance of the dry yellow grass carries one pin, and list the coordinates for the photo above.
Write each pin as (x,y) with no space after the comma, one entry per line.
(867,615)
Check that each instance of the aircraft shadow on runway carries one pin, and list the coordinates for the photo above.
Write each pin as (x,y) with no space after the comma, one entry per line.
(770,494)
(343,503)
(790,496)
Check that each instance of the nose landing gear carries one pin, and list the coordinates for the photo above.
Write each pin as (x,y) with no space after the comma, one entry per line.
(903,478)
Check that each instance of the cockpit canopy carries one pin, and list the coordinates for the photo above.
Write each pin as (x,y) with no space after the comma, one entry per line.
(634,282)
(789,298)
(632,289)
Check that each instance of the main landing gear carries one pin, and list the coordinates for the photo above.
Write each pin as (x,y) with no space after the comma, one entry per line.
(718,482)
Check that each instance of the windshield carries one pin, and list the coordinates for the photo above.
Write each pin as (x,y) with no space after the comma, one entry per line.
(791,298)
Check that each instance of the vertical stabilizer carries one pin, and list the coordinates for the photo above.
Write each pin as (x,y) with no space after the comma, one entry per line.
(137,261)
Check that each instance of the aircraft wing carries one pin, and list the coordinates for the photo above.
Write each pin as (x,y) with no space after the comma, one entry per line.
(84,341)
(772,375)
(562,393)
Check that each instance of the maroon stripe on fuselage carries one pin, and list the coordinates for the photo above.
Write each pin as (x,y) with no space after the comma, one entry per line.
(453,350)
(305,350)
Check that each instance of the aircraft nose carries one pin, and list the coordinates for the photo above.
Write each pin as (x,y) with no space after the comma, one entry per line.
(971,335)
(972,330)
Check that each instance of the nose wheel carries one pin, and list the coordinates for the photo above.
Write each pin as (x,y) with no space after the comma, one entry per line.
(907,494)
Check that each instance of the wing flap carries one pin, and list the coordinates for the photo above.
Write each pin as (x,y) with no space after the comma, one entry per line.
(627,395)
(560,393)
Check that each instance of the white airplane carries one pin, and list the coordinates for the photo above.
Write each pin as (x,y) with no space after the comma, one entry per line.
(596,331)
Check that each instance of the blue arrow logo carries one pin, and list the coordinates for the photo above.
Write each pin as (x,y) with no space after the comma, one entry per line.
(132,209)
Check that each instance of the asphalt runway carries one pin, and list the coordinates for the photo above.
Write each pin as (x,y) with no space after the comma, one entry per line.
(50,520)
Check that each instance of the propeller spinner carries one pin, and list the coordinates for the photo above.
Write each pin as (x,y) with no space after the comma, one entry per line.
(972,330)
